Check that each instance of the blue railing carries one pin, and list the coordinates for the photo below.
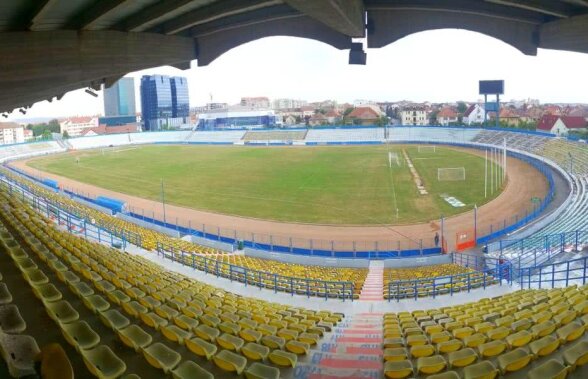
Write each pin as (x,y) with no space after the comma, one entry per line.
(72,223)
(553,275)
(29,191)
(447,285)
(262,279)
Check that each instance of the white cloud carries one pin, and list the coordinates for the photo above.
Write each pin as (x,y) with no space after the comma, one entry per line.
(441,65)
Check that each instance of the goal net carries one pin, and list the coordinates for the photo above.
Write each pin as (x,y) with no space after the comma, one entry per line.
(427,149)
(451,174)
(393,159)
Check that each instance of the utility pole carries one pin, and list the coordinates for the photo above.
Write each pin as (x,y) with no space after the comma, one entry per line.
(163,200)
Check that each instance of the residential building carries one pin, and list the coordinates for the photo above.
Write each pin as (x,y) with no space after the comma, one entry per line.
(104,129)
(414,115)
(75,126)
(307,111)
(255,102)
(333,117)
(28,135)
(363,116)
(562,125)
(473,115)
(446,116)
(11,132)
(164,102)
(119,99)
(317,119)
(288,103)
(509,117)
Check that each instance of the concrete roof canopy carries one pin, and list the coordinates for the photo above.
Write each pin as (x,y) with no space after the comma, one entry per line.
(87,43)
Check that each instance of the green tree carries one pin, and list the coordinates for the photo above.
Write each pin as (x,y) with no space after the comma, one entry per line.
(461,107)
(53,126)
(433,117)
(65,134)
(382,121)
(46,134)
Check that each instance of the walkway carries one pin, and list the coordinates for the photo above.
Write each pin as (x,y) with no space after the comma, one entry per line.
(352,350)
(374,283)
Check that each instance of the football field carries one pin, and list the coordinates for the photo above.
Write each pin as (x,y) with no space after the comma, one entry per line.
(323,185)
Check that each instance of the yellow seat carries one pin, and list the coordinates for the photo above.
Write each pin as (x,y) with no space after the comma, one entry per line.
(475,340)
(570,332)
(230,342)
(449,346)
(431,365)
(543,329)
(135,337)
(297,347)
(160,356)
(103,363)
(255,351)
(551,369)
(498,333)
(395,354)
(544,346)
(273,342)
(492,348)
(519,339)
(283,358)
(514,360)
(201,347)
(462,358)
(481,370)
(398,369)
(576,355)
(175,334)
(422,351)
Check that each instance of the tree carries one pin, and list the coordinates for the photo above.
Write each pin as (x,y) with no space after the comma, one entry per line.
(433,117)
(46,134)
(53,126)
(65,134)
(382,121)
(461,107)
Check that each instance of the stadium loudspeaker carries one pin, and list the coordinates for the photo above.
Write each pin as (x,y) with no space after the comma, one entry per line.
(357,55)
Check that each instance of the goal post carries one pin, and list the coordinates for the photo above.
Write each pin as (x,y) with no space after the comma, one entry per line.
(427,149)
(445,174)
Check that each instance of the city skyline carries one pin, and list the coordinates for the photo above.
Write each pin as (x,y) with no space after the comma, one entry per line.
(436,66)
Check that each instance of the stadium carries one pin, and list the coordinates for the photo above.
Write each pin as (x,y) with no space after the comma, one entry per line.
(347,251)
(533,269)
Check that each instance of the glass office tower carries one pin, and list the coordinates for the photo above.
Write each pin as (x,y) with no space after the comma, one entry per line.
(119,99)
(164,102)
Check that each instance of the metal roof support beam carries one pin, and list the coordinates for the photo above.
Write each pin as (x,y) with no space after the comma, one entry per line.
(214,11)
(344,16)
(565,34)
(42,64)
(386,27)
(151,15)
(93,14)
(549,7)
(39,12)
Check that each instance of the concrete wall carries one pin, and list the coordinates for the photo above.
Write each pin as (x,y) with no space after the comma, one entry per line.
(414,262)
(307,259)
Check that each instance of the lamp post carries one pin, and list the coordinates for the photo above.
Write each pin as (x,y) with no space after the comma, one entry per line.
(163,200)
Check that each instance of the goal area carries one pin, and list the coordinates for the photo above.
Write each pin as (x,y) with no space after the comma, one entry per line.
(451,174)
(427,149)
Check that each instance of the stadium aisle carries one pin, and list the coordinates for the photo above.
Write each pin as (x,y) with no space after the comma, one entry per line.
(374,282)
(352,350)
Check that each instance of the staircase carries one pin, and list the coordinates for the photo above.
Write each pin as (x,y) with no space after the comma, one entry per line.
(352,351)
(373,286)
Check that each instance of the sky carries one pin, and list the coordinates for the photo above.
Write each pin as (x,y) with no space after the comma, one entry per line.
(437,66)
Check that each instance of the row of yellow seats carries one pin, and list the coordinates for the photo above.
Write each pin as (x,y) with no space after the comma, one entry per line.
(166,309)
(508,332)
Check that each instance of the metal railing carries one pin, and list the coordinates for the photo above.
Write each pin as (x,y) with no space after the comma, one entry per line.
(250,277)
(447,285)
(67,214)
(551,275)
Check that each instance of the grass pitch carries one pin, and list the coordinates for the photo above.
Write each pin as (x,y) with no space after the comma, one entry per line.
(331,185)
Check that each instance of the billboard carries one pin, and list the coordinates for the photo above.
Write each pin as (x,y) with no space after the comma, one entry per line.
(491,87)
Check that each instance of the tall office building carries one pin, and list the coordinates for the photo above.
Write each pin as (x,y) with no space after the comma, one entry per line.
(165,102)
(119,99)
(180,97)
